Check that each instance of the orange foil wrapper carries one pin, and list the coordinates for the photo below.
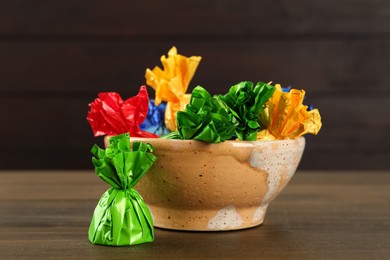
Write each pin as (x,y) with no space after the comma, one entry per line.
(172,82)
(287,117)
(110,115)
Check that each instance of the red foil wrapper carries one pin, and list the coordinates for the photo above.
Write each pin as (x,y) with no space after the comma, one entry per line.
(110,115)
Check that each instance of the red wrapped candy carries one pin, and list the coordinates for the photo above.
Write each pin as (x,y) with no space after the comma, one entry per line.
(110,115)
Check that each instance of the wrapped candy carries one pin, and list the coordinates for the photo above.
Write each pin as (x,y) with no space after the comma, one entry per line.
(171,83)
(206,119)
(121,217)
(287,118)
(154,121)
(245,102)
(110,115)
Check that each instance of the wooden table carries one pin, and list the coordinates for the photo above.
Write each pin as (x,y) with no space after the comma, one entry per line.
(320,215)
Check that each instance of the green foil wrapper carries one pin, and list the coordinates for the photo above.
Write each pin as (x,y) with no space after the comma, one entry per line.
(246,102)
(206,118)
(121,217)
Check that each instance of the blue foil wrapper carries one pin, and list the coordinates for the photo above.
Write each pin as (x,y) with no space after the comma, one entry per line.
(154,122)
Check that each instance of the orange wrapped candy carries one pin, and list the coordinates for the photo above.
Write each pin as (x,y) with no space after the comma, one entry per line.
(287,118)
(171,83)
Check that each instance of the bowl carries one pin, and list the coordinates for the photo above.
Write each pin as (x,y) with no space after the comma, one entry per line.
(199,186)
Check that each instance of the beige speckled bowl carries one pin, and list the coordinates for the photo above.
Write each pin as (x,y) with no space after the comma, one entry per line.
(211,187)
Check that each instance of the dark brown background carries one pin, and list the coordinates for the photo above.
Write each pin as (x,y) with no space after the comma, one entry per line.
(55,56)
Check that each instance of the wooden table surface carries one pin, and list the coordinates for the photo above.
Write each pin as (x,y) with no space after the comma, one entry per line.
(320,215)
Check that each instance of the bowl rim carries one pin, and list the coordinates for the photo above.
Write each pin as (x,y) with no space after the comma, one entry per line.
(226,141)
(190,141)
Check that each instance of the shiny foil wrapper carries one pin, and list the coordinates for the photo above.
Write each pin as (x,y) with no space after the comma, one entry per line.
(121,218)
(171,83)
(109,114)
(286,117)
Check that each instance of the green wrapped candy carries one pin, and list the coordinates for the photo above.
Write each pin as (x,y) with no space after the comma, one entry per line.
(121,217)
(206,118)
(245,103)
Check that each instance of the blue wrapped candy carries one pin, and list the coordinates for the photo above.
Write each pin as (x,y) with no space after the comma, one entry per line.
(154,122)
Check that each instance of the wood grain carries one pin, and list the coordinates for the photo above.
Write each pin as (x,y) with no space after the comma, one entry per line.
(72,18)
(323,215)
(323,68)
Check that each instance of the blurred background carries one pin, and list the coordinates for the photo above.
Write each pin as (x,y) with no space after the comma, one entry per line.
(55,56)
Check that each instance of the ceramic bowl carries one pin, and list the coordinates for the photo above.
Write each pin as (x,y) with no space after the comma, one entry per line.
(198,186)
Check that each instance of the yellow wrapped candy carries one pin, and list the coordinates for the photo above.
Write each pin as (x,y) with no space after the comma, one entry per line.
(171,83)
(287,118)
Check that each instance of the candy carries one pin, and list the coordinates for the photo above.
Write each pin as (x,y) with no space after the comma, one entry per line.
(245,102)
(154,121)
(121,216)
(205,119)
(172,82)
(286,116)
(110,115)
